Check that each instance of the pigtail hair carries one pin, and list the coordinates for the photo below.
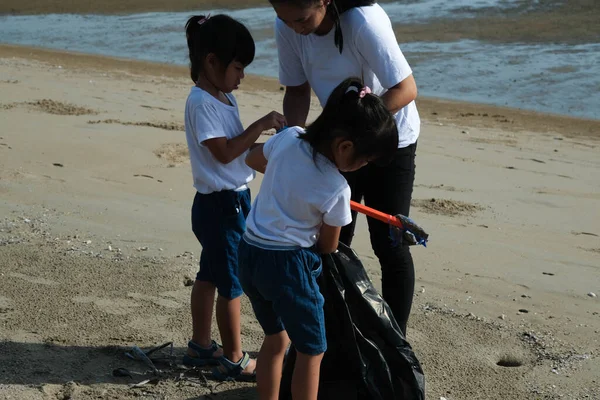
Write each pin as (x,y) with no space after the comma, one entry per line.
(355,114)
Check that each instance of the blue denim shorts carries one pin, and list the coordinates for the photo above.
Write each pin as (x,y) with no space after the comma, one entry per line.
(219,221)
(281,284)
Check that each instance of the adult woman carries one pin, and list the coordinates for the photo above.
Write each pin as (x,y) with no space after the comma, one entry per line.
(321,43)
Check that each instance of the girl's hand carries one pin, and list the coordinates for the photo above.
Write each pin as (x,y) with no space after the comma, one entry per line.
(272,120)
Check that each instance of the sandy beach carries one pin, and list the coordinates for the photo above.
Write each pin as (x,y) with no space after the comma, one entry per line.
(96,251)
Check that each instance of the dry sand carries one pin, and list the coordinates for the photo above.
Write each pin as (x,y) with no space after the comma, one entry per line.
(96,249)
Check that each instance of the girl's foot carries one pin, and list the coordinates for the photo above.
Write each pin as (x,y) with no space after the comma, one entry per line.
(198,356)
(243,370)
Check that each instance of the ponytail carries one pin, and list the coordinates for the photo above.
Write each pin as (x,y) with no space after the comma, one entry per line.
(192,32)
(353,113)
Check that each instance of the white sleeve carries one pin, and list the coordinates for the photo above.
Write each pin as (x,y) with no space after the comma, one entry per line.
(272,142)
(208,123)
(291,72)
(377,44)
(336,211)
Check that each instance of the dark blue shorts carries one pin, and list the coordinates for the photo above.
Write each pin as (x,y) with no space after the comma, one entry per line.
(219,221)
(282,287)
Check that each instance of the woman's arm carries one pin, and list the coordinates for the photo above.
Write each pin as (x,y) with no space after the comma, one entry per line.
(399,96)
(296,101)
(296,104)
(378,46)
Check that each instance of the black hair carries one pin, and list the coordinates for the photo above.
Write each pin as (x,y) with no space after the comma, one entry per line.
(366,122)
(335,9)
(228,39)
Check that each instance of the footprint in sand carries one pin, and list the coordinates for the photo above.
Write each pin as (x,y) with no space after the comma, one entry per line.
(6,307)
(33,279)
(159,301)
(109,306)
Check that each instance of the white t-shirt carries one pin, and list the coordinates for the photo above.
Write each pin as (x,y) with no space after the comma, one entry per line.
(208,118)
(370,52)
(298,193)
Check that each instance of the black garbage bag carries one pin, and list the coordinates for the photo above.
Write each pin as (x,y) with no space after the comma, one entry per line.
(367,357)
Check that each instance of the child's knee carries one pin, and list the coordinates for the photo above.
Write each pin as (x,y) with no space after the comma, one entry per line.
(276,343)
(309,358)
(308,362)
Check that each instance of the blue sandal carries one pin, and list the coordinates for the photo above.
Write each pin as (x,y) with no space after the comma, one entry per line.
(204,355)
(230,371)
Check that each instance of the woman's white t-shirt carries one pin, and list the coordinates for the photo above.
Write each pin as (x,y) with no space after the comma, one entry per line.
(299,193)
(208,118)
(370,52)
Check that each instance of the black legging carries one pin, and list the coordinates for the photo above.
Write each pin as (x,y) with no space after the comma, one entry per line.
(388,189)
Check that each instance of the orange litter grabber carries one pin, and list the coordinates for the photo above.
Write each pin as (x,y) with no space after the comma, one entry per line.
(404,226)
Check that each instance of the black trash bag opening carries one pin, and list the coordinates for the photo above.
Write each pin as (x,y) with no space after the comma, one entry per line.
(367,357)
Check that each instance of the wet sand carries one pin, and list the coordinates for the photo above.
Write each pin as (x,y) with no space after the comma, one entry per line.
(118,6)
(96,250)
(435,110)
(570,22)
(552,21)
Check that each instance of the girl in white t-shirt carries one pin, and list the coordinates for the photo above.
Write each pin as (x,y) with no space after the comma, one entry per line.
(302,205)
(219,50)
(320,43)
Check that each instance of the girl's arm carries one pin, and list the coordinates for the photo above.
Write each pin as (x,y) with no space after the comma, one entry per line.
(296,103)
(226,150)
(256,159)
(329,237)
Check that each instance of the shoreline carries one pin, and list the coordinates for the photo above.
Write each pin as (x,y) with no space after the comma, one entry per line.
(432,110)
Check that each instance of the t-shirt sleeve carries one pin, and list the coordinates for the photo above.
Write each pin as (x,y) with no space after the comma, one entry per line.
(336,211)
(208,123)
(291,72)
(273,141)
(377,44)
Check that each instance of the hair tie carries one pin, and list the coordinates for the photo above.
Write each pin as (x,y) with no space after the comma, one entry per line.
(204,19)
(361,92)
